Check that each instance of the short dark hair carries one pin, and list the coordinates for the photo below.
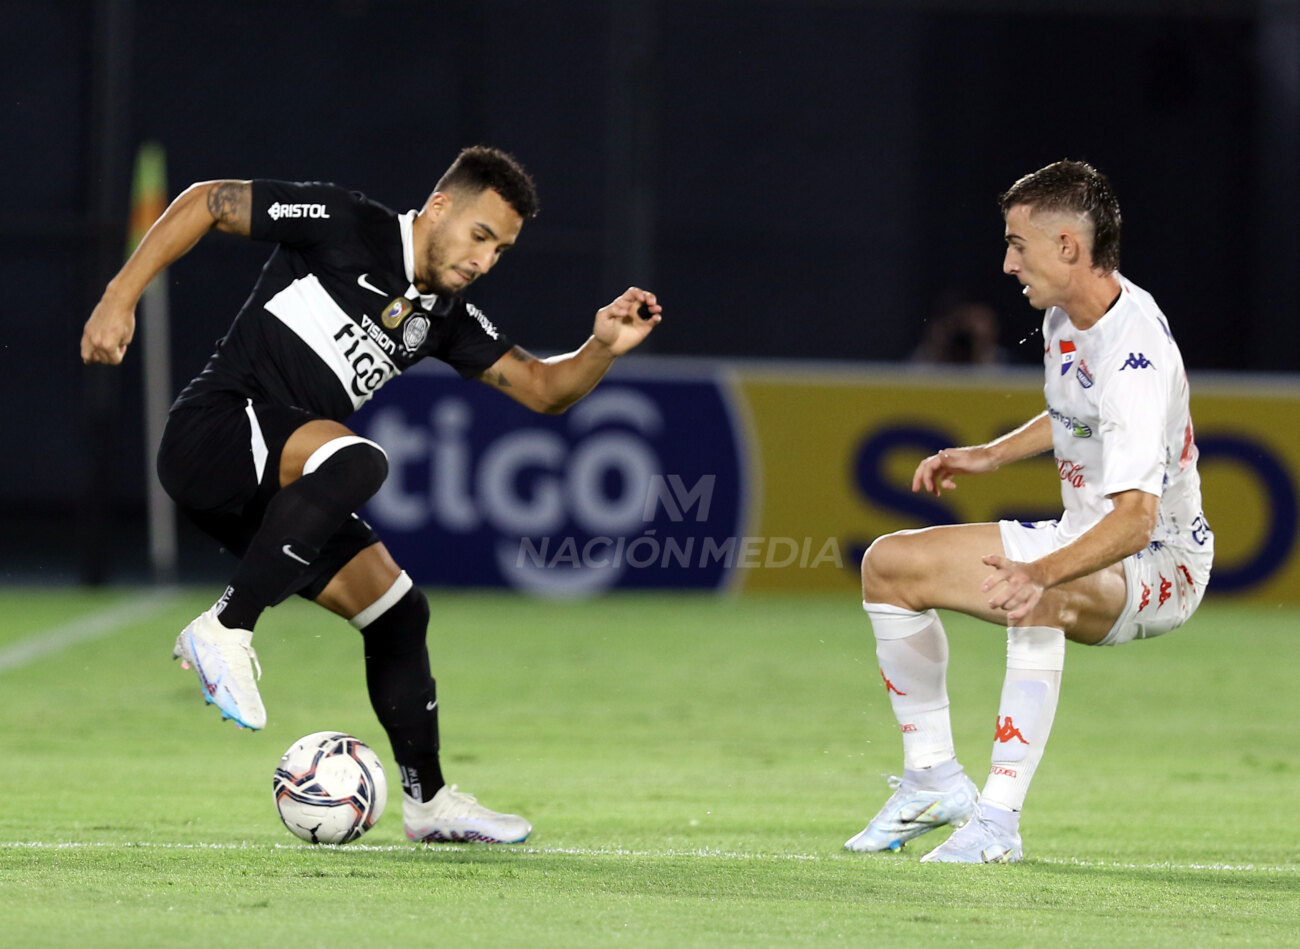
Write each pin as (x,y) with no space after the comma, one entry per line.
(1076,187)
(480,168)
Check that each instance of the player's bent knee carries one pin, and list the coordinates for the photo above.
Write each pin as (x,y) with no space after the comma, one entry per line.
(881,565)
(356,461)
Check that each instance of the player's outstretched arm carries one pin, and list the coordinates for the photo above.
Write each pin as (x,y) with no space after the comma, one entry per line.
(223,205)
(936,473)
(553,384)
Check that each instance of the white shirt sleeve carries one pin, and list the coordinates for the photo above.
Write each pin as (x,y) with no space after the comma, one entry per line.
(1134,402)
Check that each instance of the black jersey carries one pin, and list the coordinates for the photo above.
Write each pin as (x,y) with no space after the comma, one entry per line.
(335,313)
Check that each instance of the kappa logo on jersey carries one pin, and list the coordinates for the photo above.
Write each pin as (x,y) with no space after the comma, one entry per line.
(483,321)
(279,210)
(1083,375)
(1137,362)
(395,312)
(1007,730)
(1067,355)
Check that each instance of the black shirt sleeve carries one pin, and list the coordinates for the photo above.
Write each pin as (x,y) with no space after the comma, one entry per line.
(301,214)
(471,343)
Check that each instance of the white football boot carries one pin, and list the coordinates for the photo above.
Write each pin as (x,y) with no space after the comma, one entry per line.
(991,836)
(912,811)
(225,662)
(455,817)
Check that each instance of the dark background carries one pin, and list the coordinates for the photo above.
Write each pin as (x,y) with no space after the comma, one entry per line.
(794,179)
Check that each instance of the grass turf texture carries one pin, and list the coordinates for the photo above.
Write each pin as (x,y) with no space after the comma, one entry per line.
(692,766)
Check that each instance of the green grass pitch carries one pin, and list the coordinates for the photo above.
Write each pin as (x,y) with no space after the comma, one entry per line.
(692,766)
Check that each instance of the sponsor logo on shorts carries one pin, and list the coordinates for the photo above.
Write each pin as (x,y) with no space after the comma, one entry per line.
(279,210)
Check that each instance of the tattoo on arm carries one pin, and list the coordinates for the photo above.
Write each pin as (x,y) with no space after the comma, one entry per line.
(495,377)
(230,204)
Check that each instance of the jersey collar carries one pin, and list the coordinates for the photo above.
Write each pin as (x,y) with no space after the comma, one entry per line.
(405,223)
(430,302)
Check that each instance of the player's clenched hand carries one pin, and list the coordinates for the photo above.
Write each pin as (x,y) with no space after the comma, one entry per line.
(937,471)
(1014,587)
(621,325)
(108,332)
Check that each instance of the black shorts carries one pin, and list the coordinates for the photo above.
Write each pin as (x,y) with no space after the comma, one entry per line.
(220,462)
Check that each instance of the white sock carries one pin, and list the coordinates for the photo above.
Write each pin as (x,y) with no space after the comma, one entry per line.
(912,650)
(1035,659)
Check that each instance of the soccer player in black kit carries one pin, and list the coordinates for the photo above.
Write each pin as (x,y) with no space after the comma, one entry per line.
(256,451)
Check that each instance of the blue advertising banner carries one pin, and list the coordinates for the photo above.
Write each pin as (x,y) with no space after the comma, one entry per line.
(642,484)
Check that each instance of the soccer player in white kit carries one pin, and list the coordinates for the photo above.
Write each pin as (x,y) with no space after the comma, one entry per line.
(1128,559)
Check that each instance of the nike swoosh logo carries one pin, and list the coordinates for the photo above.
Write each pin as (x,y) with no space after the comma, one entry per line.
(431,706)
(288,552)
(370,286)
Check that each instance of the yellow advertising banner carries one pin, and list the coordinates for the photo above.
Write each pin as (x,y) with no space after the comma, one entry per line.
(833,452)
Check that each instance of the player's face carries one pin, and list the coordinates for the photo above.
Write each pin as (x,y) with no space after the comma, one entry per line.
(468,234)
(1035,256)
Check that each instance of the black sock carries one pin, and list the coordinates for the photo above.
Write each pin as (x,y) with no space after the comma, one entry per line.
(423,780)
(403,692)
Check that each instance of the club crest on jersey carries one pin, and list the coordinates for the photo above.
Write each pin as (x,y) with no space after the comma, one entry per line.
(1083,375)
(415,332)
(1067,356)
(395,312)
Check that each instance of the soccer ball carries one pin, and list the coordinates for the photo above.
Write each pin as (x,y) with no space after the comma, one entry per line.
(329,788)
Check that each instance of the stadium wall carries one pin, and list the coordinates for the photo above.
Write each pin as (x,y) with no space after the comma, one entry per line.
(701,474)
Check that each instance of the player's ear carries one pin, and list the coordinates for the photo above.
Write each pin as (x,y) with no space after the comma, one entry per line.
(438,204)
(1068,246)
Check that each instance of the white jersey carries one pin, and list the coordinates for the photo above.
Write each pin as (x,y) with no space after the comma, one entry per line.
(1118,401)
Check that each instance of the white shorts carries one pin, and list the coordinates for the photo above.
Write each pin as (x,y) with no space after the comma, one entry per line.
(1165,584)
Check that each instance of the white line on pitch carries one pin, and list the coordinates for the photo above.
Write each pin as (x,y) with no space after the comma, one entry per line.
(613,852)
(134,609)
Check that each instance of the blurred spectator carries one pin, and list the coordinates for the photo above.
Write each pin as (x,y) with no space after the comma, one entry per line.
(963,330)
